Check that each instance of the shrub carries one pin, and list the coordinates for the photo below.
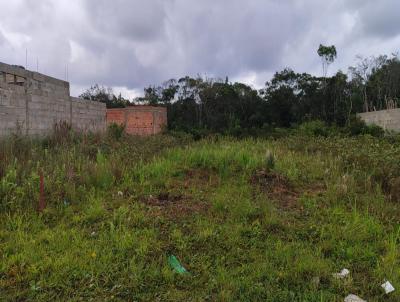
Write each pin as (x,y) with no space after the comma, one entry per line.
(314,128)
(116,131)
(358,127)
(374,130)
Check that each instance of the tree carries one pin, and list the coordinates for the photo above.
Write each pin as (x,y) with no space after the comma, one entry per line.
(105,95)
(362,73)
(204,105)
(383,85)
(328,55)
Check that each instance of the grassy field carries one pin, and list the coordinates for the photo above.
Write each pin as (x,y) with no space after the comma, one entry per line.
(250,220)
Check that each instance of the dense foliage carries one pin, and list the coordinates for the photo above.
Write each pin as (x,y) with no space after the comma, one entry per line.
(204,105)
(289,98)
(104,95)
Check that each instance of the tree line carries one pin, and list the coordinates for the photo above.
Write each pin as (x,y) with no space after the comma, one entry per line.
(289,98)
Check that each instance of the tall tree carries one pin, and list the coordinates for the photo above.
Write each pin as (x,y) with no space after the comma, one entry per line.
(328,55)
(362,73)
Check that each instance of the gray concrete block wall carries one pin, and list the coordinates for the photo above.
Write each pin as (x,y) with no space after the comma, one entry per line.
(45,111)
(35,103)
(387,119)
(12,110)
(88,115)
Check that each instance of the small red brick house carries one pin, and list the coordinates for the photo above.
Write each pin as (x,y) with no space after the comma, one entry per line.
(139,120)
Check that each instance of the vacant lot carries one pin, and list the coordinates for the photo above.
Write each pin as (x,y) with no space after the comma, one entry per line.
(250,220)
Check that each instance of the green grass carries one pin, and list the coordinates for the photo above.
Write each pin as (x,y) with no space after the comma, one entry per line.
(240,239)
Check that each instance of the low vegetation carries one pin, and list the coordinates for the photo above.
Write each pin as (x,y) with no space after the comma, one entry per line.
(249,219)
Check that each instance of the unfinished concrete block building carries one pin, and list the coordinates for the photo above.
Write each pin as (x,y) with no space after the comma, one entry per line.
(32,103)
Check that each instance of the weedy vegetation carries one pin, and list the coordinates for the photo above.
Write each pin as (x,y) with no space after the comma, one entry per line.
(249,219)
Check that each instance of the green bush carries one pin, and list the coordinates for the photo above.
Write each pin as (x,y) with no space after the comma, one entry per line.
(374,130)
(314,128)
(116,131)
(358,127)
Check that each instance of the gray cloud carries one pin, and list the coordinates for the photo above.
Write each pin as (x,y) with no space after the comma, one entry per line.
(132,43)
(2,39)
(132,20)
(381,18)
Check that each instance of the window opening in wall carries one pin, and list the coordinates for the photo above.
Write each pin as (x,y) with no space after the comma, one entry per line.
(13,79)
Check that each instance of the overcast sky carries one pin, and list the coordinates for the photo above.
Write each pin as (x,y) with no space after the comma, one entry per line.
(129,44)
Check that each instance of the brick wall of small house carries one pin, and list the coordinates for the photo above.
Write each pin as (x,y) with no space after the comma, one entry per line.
(139,120)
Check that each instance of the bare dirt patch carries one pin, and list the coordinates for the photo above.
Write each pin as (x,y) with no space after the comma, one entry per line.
(163,199)
(174,205)
(200,178)
(277,187)
(183,196)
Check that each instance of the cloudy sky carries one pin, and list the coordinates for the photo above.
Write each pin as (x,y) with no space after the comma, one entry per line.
(129,44)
